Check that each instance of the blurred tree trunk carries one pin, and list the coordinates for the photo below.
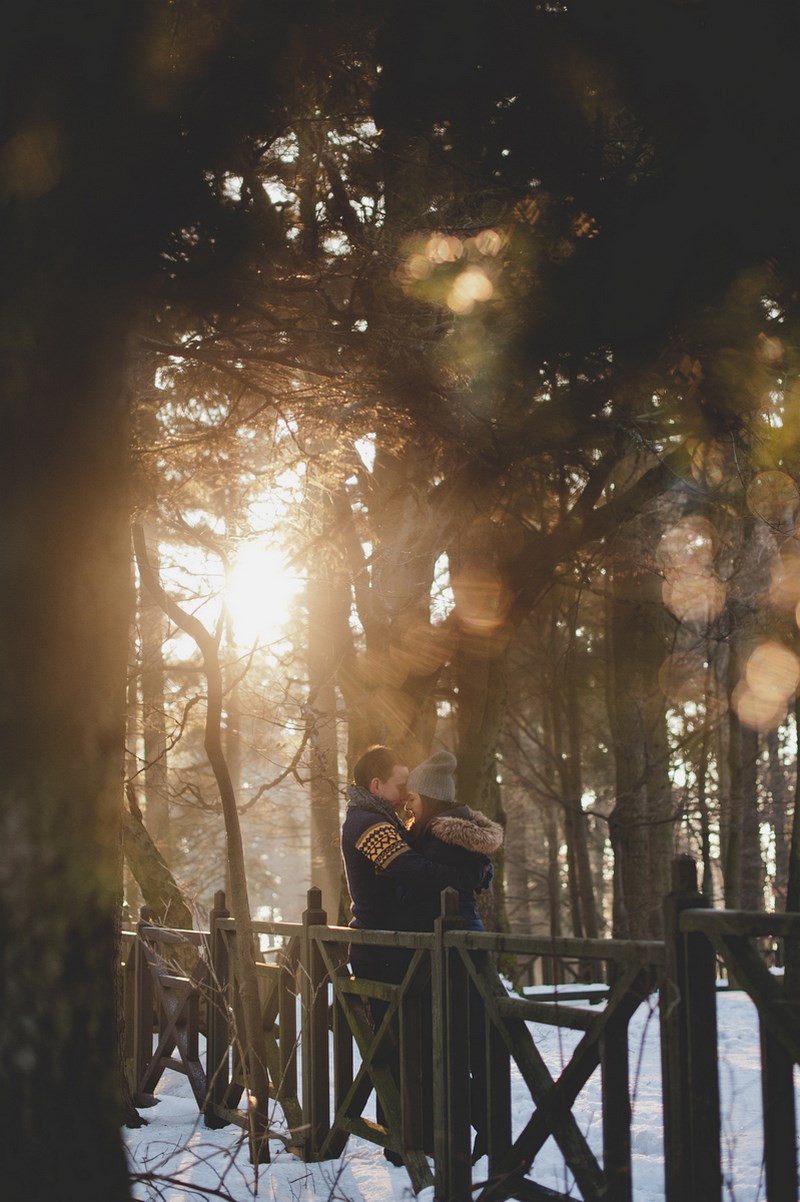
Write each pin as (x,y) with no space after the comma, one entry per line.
(327,609)
(792,946)
(568,760)
(159,889)
(780,803)
(519,862)
(257,1080)
(152,627)
(735,798)
(753,874)
(63,648)
(389,689)
(639,825)
(482,686)
(723,759)
(707,885)
(550,816)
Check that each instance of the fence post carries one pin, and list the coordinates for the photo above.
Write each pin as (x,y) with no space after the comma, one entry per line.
(316,1073)
(688,1010)
(143,1011)
(451,1080)
(779,1122)
(287,1025)
(218,1034)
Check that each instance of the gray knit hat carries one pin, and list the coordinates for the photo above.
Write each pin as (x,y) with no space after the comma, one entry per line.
(434,777)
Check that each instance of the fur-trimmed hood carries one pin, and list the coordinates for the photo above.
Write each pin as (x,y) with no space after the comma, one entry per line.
(474,833)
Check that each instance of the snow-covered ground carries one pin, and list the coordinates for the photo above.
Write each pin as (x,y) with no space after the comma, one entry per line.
(188,1161)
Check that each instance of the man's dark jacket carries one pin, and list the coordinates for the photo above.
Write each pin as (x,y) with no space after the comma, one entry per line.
(379,861)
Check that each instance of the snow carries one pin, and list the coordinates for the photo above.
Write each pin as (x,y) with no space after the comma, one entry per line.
(187,1160)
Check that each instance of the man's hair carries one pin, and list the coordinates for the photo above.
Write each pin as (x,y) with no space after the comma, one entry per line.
(376,761)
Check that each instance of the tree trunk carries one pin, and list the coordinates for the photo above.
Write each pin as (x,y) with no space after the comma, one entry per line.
(792,946)
(160,891)
(752,873)
(482,688)
(733,824)
(63,648)
(779,810)
(328,604)
(577,830)
(639,825)
(702,809)
(154,726)
(257,1080)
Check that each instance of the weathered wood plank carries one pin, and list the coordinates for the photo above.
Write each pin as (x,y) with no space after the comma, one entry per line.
(750,923)
(550,1013)
(380,990)
(640,951)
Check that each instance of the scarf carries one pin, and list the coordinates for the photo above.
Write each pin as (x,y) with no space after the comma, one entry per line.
(359,798)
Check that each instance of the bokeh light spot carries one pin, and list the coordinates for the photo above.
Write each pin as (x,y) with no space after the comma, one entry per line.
(694,596)
(770,350)
(784,588)
(757,712)
(489,242)
(482,601)
(444,248)
(690,544)
(30,162)
(419,267)
(471,286)
(773,496)
(772,672)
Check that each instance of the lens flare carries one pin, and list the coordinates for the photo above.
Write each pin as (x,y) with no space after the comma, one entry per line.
(694,596)
(754,711)
(690,543)
(482,601)
(444,248)
(784,588)
(773,496)
(471,286)
(772,672)
(489,243)
(770,350)
(418,267)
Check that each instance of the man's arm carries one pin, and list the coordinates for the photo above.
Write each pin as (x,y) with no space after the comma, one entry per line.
(388,851)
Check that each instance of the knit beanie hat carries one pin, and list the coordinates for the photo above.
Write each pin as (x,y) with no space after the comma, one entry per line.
(434,777)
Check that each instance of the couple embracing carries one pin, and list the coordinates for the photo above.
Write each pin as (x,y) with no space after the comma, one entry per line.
(404,839)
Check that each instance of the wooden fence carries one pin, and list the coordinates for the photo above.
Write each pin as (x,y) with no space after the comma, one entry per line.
(450,971)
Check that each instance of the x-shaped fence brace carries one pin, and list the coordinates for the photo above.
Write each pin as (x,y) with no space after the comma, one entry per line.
(553,1097)
(280,1040)
(177,1004)
(379,1052)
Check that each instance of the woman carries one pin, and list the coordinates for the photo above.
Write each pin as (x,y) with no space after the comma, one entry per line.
(448,833)
(455,835)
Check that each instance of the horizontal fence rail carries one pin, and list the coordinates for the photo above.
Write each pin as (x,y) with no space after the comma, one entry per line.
(437,1047)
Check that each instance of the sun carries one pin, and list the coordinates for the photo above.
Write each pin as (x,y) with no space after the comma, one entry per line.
(261,588)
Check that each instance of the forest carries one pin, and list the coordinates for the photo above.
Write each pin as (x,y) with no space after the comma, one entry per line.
(419,374)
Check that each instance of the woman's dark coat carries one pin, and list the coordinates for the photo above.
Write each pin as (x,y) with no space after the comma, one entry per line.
(458,838)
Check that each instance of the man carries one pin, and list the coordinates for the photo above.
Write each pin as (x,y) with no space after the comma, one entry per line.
(379,860)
